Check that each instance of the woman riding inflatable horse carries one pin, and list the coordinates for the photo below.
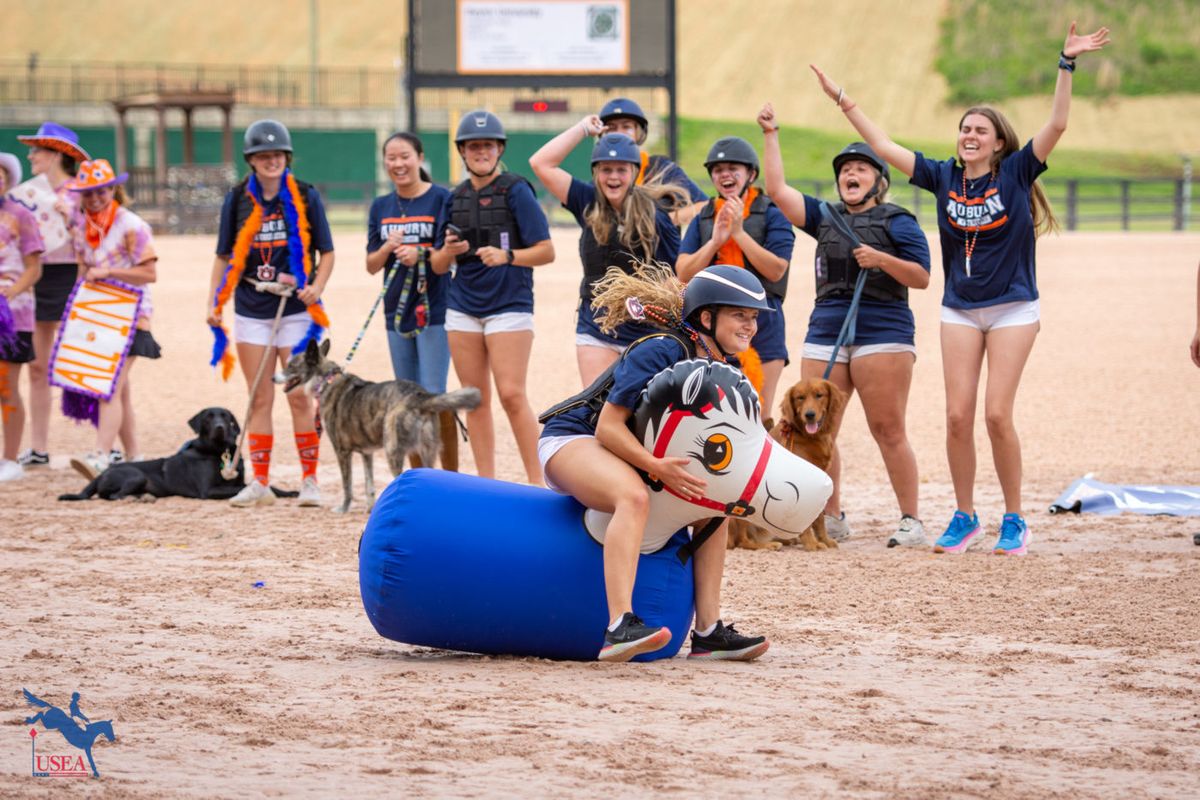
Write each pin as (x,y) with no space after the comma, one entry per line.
(597,459)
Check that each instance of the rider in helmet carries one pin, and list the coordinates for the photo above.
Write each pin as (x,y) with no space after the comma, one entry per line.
(623,224)
(260,251)
(622,115)
(742,226)
(879,363)
(496,234)
(589,452)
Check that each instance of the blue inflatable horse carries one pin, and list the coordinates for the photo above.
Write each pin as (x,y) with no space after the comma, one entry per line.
(465,563)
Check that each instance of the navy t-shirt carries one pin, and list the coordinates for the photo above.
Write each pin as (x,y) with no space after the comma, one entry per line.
(1003,268)
(579,197)
(420,220)
(483,291)
(664,170)
(268,255)
(878,322)
(779,239)
(632,374)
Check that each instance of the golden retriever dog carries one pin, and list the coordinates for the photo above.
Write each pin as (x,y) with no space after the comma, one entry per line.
(810,415)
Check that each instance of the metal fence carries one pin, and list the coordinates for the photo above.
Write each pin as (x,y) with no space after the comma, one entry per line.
(70,83)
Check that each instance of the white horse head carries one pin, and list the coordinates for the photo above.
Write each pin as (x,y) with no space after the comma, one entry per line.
(708,412)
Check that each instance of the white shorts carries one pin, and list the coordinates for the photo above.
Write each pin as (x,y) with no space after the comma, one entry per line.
(822,352)
(585,340)
(1005,315)
(509,322)
(248,330)
(547,447)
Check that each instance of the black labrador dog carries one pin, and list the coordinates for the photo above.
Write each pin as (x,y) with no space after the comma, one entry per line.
(194,471)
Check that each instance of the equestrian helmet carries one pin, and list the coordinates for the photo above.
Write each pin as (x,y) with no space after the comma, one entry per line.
(480,125)
(734,150)
(623,107)
(860,151)
(616,147)
(266,135)
(723,285)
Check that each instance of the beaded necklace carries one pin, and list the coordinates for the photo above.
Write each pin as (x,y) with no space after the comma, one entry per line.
(970,237)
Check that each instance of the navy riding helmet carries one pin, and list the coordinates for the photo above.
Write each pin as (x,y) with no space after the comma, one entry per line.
(722,285)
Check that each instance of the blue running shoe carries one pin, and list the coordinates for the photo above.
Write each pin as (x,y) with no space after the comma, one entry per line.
(1014,536)
(959,534)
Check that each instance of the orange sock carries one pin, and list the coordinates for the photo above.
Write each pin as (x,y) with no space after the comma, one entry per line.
(308,445)
(260,455)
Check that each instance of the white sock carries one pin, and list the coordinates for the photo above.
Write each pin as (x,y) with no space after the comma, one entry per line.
(708,631)
(616,623)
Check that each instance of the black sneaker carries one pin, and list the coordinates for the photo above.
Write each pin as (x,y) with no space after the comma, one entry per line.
(33,458)
(726,644)
(632,637)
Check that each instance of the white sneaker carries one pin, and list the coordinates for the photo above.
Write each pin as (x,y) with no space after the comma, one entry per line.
(91,465)
(253,494)
(911,533)
(310,493)
(837,527)
(11,471)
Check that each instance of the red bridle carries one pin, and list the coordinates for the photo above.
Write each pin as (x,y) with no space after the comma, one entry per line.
(741,507)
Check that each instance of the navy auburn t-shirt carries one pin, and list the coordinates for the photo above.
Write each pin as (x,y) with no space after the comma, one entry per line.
(1003,268)
(483,291)
(420,220)
(631,376)
(580,196)
(268,255)
(878,322)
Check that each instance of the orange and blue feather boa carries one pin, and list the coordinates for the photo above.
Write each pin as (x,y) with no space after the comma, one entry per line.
(299,239)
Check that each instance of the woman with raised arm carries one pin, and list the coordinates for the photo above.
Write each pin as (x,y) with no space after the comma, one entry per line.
(623,223)
(879,363)
(990,212)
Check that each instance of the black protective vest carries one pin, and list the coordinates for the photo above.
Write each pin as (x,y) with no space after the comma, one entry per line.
(597,258)
(596,395)
(755,224)
(837,271)
(484,216)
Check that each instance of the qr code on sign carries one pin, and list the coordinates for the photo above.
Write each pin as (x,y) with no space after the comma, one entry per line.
(602,22)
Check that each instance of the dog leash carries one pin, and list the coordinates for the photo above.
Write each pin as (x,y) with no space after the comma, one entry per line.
(850,323)
(229,471)
(417,277)
(387,284)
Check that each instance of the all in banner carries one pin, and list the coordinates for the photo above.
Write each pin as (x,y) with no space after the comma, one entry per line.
(95,336)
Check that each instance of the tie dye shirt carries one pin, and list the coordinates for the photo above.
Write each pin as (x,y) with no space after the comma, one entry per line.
(19,237)
(127,244)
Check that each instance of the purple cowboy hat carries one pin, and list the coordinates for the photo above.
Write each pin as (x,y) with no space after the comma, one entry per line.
(53,136)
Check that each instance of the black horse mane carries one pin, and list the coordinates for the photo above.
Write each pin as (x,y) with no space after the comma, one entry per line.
(691,386)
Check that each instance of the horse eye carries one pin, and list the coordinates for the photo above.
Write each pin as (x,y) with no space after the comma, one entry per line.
(718,452)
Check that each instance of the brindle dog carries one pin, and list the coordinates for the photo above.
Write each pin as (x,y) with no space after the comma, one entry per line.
(398,417)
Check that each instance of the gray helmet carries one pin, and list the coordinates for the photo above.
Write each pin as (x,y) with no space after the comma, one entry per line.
(266,135)
(623,107)
(616,147)
(722,285)
(860,151)
(732,149)
(480,125)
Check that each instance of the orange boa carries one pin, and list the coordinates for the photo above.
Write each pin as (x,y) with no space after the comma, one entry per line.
(730,253)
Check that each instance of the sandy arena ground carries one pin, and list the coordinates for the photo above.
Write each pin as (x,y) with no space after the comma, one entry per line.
(1072,672)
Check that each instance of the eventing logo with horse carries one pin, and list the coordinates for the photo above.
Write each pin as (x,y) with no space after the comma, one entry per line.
(79,731)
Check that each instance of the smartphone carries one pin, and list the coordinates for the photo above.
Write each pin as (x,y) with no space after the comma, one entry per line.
(457,231)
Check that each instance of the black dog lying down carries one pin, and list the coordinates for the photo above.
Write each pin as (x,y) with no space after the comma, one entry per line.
(194,471)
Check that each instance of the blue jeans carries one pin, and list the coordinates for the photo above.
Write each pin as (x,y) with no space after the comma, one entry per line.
(423,359)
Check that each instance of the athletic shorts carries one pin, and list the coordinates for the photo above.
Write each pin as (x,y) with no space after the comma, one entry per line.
(292,328)
(508,322)
(1005,315)
(587,340)
(52,290)
(547,447)
(822,352)
(21,350)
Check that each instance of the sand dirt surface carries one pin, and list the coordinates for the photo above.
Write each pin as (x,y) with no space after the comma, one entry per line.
(1074,672)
